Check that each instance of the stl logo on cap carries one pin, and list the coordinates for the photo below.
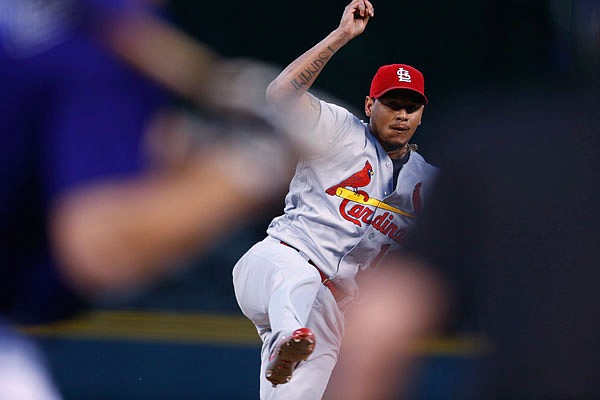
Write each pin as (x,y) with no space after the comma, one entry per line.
(403,75)
(397,76)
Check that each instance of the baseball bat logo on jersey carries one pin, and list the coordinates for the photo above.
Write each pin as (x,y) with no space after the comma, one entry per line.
(355,204)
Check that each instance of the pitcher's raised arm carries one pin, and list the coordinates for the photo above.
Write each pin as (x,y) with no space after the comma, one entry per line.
(288,92)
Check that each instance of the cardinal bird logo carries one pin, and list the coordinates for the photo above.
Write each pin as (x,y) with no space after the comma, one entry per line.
(356,180)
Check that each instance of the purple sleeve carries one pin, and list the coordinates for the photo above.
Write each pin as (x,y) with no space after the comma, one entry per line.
(111,6)
(97,120)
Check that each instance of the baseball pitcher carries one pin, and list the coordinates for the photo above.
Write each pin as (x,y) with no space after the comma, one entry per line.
(351,201)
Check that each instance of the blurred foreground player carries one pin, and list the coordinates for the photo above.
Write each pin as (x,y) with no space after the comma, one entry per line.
(512,229)
(103,187)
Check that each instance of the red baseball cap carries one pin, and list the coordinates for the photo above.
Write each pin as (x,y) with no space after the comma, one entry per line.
(397,76)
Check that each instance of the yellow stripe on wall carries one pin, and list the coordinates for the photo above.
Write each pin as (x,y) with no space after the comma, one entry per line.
(197,328)
(154,326)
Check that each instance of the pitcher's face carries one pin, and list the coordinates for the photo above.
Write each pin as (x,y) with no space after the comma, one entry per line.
(394,117)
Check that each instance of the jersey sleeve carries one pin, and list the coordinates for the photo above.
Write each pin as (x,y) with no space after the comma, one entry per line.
(334,129)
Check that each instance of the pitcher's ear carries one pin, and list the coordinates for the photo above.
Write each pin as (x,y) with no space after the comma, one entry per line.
(368,105)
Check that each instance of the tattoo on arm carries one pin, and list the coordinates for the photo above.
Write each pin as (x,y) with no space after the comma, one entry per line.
(306,77)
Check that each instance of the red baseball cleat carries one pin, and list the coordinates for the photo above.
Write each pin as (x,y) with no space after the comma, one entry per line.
(287,355)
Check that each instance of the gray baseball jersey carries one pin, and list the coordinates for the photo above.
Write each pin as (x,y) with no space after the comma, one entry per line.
(342,210)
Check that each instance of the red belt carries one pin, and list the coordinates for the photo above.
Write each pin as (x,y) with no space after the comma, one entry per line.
(337,293)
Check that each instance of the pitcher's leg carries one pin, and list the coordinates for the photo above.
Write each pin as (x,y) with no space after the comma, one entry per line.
(276,289)
(275,286)
(310,378)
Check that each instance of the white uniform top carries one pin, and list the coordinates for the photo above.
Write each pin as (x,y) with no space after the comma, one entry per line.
(352,225)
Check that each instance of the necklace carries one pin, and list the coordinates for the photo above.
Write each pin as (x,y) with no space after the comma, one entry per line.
(400,152)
